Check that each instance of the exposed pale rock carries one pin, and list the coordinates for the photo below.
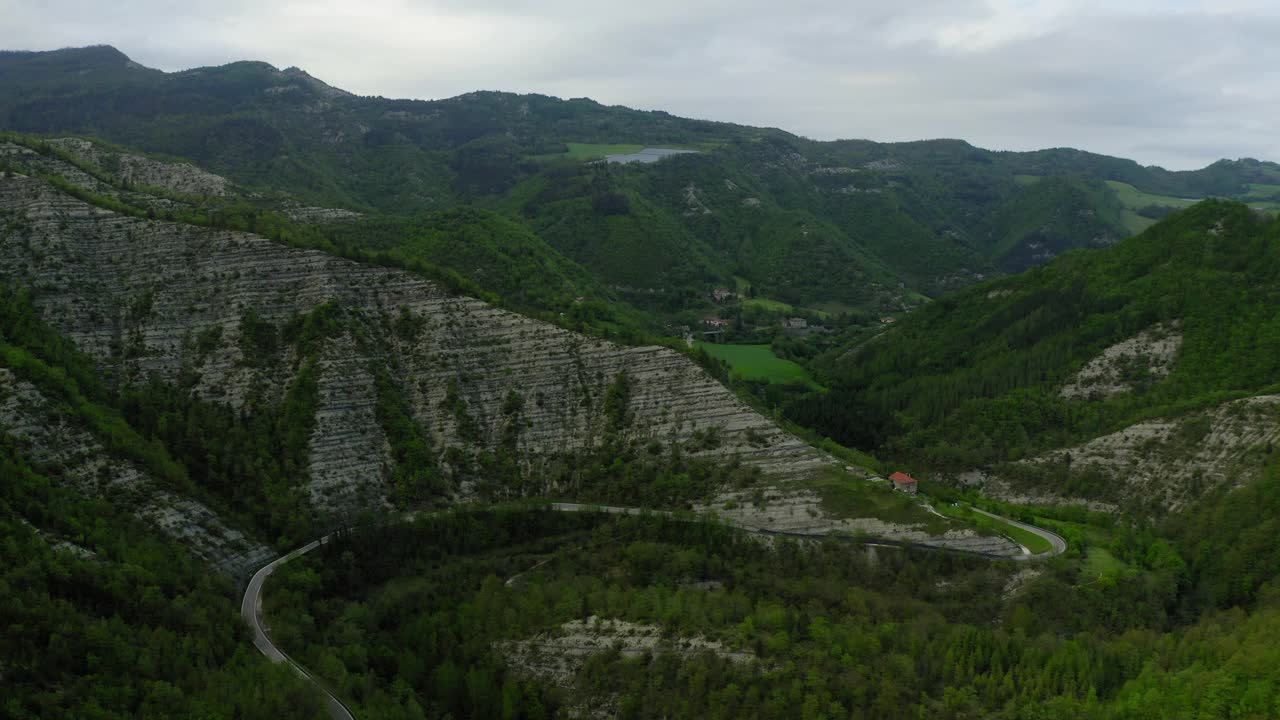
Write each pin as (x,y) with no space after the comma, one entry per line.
(53,439)
(1018,494)
(1171,462)
(1153,350)
(558,656)
(799,511)
(349,456)
(1019,582)
(694,202)
(61,544)
(179,177)
(307,214)
(138,295)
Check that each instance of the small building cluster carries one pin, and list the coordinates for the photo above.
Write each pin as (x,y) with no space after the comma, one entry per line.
(713,328)
(721,294)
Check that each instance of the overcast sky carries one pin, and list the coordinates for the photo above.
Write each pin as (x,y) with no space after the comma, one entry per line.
(1177,83)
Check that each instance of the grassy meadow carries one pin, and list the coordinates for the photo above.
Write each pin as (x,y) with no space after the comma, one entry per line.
(757,362)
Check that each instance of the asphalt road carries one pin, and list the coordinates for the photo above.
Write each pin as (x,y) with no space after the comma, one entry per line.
(251,611)
(251,606)
(1059,545)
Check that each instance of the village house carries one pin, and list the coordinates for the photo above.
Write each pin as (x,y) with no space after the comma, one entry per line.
(715,322)
(795,323)
(903,482)
(721,294)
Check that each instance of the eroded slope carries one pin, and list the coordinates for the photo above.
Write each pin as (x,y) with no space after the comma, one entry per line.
(151,298)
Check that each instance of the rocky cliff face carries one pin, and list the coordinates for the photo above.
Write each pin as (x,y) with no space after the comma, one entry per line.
(144,182)
(178,177)
(56,441)
(229,311)
(148,298)
(1161,465)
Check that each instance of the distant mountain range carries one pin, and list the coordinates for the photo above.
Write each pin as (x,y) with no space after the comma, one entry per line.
(240,308)
(835,226)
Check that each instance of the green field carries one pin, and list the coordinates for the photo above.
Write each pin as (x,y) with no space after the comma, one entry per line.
(769,305)
(1134,222)
(588,151)
(1026,538)
(1261,196)
(1101,563)
(757,362)
(831,307)
(1025,180)
(1262,191)
(822,310)
(1133,199)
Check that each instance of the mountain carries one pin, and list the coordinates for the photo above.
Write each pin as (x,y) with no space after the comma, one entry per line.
(180,400)
(278,389)
(836,226)
(1113,362)
(256,309)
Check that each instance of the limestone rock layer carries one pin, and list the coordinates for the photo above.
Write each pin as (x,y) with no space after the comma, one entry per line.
(152,298)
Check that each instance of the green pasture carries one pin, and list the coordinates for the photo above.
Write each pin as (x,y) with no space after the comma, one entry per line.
(757,362)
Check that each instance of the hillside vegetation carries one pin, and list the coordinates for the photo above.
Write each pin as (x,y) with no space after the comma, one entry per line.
(853,225)
(517,613)
(256,309)
(976,378)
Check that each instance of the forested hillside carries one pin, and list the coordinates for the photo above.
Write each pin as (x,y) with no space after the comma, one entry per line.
(180,397)
(254,309)
(1011,368)
(834,226)
(106,613)
(344,362)
(302,387)
(517,613)
(106,618)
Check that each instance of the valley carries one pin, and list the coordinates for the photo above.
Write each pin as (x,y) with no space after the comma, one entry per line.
(872,229)
(512,406)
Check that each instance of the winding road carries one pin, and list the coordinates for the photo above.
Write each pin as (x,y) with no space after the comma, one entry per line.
(251,611)
(1056,540)
(251,605)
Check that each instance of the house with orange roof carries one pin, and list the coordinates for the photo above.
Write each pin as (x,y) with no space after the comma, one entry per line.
(903,482)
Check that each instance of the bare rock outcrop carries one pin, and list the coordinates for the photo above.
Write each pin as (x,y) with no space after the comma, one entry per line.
(348,453)
(1164,463)
(800,512)
(1148,356)
(56,441)
(558,656)
(156,298)
(308,214)
(179,177)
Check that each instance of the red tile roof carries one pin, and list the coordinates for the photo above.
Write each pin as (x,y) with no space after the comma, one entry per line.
(901,477)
